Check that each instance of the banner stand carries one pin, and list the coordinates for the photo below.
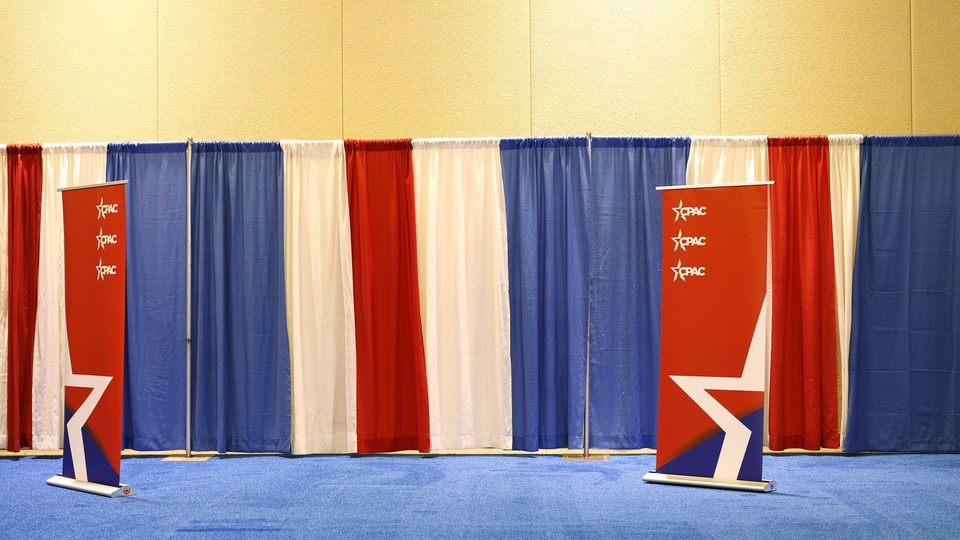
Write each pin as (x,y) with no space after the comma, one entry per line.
(123,490)
(94,225)
(713,336)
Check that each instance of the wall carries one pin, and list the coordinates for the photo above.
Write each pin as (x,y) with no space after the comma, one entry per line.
(117,70)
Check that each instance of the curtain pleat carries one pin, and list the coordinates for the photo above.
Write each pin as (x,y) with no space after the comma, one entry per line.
(904,353)
(320,300)
(625,299)
(155,372)
(4,296)
(803,364)
(240,357)
(844,208)
(548,199)
(64,165)
(392,403)
(465,304)
(25,178)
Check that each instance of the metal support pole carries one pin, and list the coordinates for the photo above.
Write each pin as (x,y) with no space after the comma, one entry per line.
(189,299)
(586,456)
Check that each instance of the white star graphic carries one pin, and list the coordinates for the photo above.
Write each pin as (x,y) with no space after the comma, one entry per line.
(101,210)
(676,271)
(737,435)
(677,209)
(676,241)
(98,385)
(101,240)
(101,269)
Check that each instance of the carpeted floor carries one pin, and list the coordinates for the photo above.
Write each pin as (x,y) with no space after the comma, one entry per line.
(497,496)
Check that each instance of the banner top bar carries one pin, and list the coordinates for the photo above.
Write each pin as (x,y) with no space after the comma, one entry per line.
(104,184)
(731,184)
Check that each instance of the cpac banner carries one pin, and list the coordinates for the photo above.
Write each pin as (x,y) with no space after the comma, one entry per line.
(94,225)
(713,336)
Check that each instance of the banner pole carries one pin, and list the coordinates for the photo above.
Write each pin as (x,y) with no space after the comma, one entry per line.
(189,292)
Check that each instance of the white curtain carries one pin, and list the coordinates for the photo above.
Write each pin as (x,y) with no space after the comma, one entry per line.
(725,160)
(722,160)
(845,209)
(4,297)
(64,165)
(319,290)
(464,295)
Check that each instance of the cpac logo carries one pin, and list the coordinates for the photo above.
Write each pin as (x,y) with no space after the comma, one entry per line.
(686,211)
(104,209)
(102,270)
(683,272)
(104,239)
(681,242)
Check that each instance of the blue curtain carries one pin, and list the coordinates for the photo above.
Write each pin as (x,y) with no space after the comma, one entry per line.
(547,196)
(241,357)
(905,339)
(154,395)
(625,296)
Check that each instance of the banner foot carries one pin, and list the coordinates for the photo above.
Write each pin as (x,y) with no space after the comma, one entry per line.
(123,490)
(763,486)
(185,458)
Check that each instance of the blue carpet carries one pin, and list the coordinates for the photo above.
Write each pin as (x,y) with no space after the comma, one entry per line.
(873,496)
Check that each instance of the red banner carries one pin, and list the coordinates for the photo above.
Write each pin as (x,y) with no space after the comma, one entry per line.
(713,331)
(94,225)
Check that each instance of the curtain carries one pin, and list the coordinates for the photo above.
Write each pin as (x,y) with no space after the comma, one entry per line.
(465,304)
(547,197)
(155,373)
(64,165)
(320,301)
(240,357)
(803,363)
(3,295)
(25,185)
(844,209)
(904,356)
(720,160)
(625,299)
(392,404)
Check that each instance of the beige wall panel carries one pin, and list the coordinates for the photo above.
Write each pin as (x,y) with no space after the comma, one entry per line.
(78,71)
(815,66)
(647,67)
(436,69)
(250,70)
(936,66)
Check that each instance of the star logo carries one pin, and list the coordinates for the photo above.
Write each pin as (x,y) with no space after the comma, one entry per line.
(676,271)
(102,210)
(105,270)
(677,209)
(676,241)
(104,239)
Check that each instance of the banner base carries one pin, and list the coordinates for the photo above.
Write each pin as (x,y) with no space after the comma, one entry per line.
(185,458)
(123,490)
(763,486)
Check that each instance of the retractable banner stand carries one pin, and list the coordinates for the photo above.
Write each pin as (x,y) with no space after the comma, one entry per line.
(94,225)
(713,336)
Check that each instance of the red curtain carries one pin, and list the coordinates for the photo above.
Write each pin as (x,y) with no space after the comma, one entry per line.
(392,407)
(803,363)
(25,183)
